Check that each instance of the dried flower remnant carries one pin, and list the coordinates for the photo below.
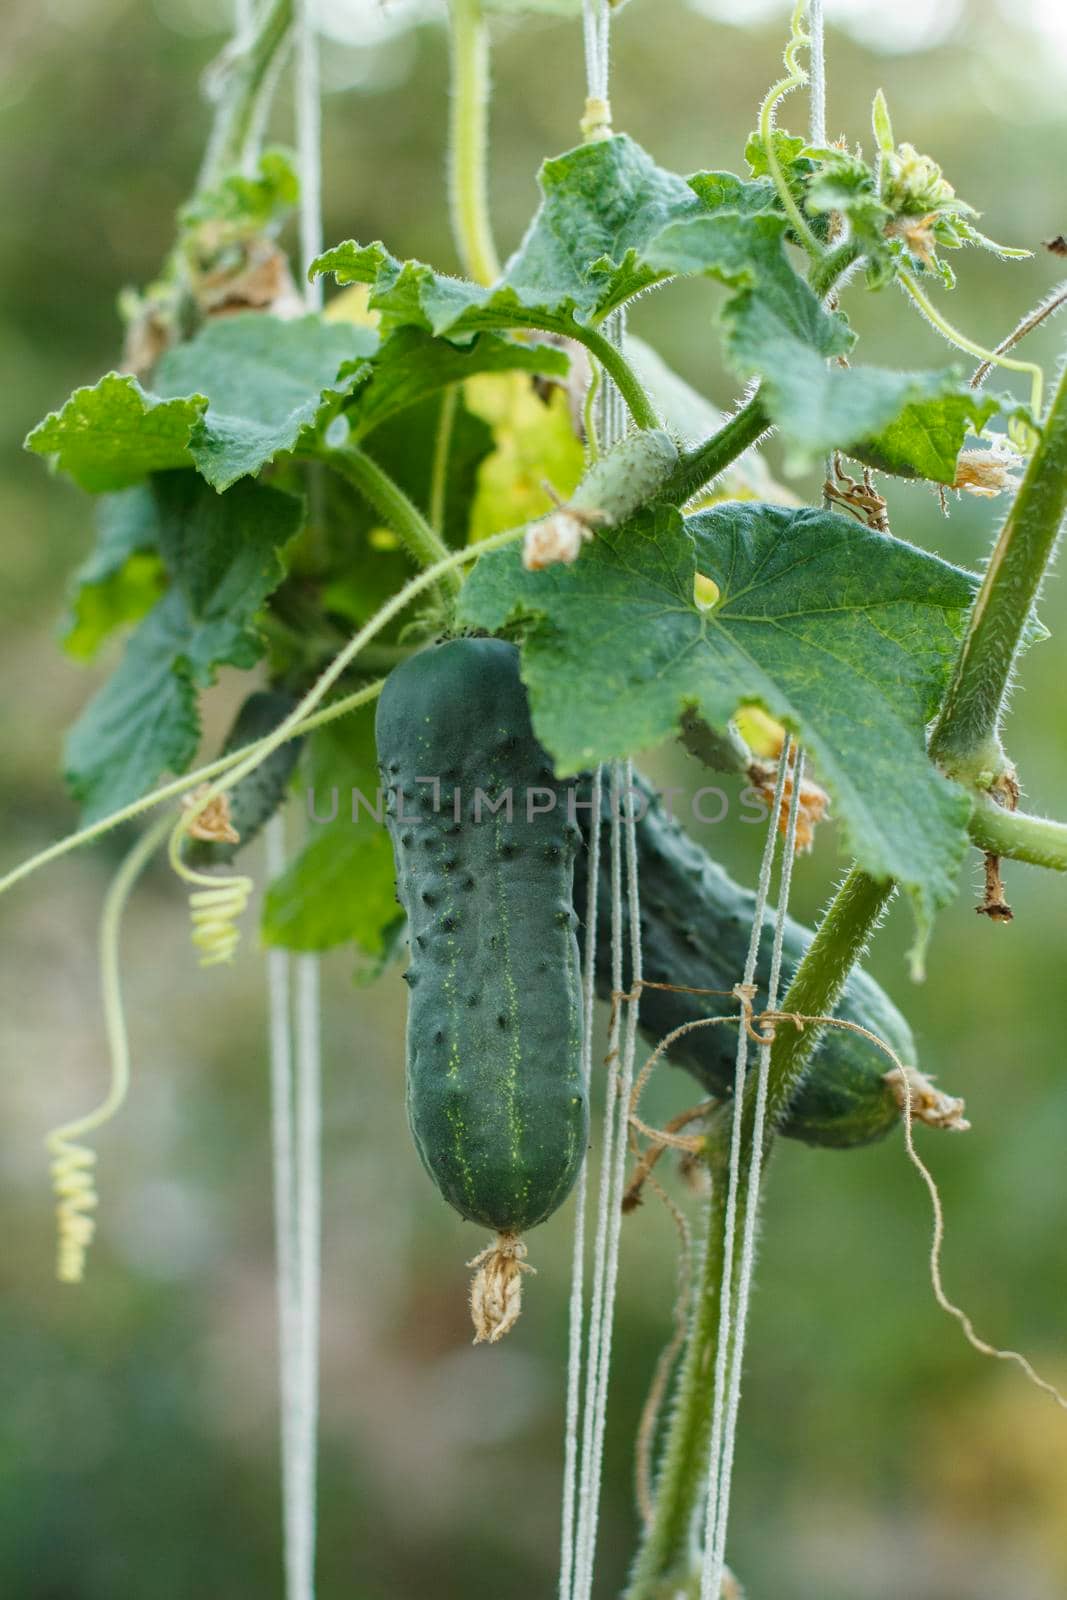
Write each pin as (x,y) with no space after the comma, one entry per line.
(814,801)
(986,473)
(212,824)
(496,1290)
(559,537)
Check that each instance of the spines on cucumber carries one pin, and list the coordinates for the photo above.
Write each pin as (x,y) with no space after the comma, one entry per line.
(695,927)
(496,1097)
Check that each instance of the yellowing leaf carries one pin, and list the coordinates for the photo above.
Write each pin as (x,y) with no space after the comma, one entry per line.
(534,444)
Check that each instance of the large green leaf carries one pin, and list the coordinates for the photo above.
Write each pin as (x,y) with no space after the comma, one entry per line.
(585,251)
(411,366)
(843,635)
(123,576)
(924,439)
(266,381)
(910,423)
(340,888)
(114,433)
(222,552)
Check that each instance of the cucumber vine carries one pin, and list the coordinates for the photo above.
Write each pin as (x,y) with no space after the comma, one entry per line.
(648,588)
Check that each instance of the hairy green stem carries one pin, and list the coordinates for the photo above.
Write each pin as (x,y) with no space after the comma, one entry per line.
(620,372)
(422,541)
(961,341)
(246,76)
(843,935)
(965,740)
(442,450)
(829,268)
(699,466)
(1018,836)
(665,1552)
(796,77)
(469,140)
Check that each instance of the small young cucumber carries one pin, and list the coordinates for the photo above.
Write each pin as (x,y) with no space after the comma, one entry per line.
(485,851)
(695,927)
(255,799)
(627,476)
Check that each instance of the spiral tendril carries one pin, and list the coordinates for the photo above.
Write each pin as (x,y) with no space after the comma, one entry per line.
(216,903)
(215,914)
(73,1164)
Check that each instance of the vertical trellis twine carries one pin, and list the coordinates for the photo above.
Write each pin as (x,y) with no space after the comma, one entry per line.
(719,1496)
(574,1357)
(817,89)
(296,1096)
(711,1571)
(309,145)
(582,1497)
(286,1271)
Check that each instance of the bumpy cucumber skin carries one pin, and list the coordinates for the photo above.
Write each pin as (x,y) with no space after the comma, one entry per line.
(496,1100)
(627,476)
(695,928)
(255,799)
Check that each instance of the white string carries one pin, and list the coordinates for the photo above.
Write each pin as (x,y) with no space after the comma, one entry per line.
(584,1539)
(574,1359)
(309,145)
(308,1237)
(297,1142)
(621,1080)
(596,32)
(308,1000)
(710,1584)
(748,1237)
(817,89)
(580,1525)
(287,1278)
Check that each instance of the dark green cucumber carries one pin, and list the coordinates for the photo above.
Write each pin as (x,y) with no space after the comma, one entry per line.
(255,799)
(496,1100)
(695,928)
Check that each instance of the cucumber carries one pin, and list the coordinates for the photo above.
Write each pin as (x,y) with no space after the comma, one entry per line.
(695,928)
(495,1093)
(255,799)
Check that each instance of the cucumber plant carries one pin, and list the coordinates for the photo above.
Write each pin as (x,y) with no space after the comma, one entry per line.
(266,482)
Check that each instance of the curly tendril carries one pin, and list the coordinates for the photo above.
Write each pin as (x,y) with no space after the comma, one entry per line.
(73,1164)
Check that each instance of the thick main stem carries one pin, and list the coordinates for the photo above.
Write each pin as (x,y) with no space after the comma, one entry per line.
(843,934)
(667,1550)
(965,740)
(247,75)
(422,541)
(699,466)
(469,142)
(620,372)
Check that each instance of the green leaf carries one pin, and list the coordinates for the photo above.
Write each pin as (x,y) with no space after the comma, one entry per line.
(411,365)
(691,418)
(843,635)
(222,552)
(745,251)
(267,382)
(925,438)
(910,423)
(585,251)
(340,888)
(602,205)
(242,203)
(122,578)
(113,434)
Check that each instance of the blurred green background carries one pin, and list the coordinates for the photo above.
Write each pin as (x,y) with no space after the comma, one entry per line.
(880,1459)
